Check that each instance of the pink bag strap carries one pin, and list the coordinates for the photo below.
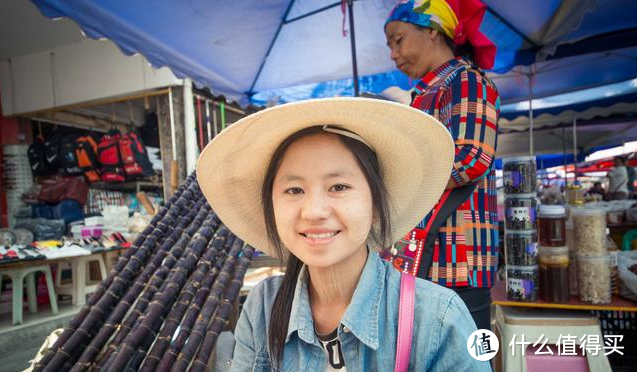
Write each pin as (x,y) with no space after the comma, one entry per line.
(405,321)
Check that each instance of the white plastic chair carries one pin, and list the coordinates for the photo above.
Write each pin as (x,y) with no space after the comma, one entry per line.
(80,285)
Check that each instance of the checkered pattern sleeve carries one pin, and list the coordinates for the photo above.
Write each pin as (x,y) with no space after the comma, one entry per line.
(470,107)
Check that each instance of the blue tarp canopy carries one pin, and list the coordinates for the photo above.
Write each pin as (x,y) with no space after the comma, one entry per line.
(284,50)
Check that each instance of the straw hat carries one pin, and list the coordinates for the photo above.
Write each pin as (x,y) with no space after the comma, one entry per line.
(415,152)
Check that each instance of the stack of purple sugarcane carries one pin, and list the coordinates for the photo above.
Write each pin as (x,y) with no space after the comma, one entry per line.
(165,302)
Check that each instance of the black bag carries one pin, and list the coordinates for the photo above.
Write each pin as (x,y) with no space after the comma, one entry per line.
(68,156)
(37,159)
(52,152)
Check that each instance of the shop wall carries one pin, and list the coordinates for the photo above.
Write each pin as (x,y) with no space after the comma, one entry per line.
(75,73)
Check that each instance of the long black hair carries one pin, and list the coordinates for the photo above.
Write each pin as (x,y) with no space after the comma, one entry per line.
(282,306)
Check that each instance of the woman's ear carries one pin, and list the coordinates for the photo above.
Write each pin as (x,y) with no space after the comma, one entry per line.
(433,33)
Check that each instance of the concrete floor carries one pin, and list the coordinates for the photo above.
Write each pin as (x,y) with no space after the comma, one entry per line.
(19,344)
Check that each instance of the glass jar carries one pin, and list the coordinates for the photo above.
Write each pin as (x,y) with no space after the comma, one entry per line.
(520,248)
(520,212)
(554,264)
(593,277)
(575,195)
(589,231)
(552,225)
(614,272)
(519,175)
(522,283)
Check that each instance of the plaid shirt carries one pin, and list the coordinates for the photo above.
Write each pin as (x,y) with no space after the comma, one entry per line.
(466,251)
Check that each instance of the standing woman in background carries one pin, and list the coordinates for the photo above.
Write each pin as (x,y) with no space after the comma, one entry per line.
(438,43)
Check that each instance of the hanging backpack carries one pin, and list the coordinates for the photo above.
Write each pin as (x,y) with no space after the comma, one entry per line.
(134,156)
(37,159)
(86,153)
(108,154)
(52,152)
(68,155)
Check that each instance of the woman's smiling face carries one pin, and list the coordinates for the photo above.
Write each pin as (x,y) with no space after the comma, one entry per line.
(322,202)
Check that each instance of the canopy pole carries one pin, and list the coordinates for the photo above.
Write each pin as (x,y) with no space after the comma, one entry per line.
(574,149)
(531,149)
(190,127)
(172,123)
(352,38)
(564,154)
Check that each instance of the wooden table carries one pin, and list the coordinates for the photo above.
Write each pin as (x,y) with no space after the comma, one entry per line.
(499,296)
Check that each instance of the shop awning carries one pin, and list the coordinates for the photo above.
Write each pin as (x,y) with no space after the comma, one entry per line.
(290,50)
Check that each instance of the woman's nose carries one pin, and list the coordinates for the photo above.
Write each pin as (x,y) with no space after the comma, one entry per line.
(315,207)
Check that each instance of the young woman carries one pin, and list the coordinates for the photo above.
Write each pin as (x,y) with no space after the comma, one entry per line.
(324,184)
(439,44)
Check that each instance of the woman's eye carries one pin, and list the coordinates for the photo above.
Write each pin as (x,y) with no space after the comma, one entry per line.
(339,187)
(397,41)
(294,191)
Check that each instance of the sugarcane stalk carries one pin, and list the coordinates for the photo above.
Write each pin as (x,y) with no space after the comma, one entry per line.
(222,315)
(113,322)
(164,300)
(168,262)
(199,279)
(191,298)
(199,328)
(123,260)
(97,314)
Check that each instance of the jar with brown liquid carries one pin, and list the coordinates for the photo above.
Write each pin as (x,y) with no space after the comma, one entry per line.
(554,274)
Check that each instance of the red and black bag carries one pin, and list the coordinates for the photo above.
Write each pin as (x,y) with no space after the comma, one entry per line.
(109,157)
(86,153)
(134,156)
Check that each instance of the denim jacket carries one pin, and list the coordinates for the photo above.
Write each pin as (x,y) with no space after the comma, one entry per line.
(442,325)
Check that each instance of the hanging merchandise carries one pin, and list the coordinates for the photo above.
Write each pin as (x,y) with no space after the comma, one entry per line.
(109,157)
(149,132)
(37,158)
(134,156)
(52,152)
(86,153)
(68,155)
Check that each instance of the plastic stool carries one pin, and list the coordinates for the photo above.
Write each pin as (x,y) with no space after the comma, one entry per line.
(18,275)
(79,286)
(534,323)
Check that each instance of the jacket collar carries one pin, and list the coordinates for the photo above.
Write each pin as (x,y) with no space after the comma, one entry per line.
(432,77)
(361,316)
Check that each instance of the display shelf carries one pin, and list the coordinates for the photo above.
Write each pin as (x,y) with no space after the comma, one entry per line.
(499,296)
(137,186)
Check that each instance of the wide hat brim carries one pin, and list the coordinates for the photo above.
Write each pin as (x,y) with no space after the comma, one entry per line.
(415,151)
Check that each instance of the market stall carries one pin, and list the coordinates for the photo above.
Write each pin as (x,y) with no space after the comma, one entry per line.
(560,257)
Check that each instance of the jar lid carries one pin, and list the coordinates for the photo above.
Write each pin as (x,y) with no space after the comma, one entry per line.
(522,268)
(552,210)
(554,251)
(588,211)
(518,159)
(520,232)
(604,257)
(520,196)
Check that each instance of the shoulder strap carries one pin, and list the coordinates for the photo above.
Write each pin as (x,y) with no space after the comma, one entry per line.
(405,321)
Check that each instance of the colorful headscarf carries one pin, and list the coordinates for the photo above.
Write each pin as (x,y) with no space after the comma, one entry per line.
(457,19)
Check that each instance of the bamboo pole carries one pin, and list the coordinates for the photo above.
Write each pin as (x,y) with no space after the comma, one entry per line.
(210,306)
(219,321)
(105,284)
(113,321)
(104,305)
(163,301)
